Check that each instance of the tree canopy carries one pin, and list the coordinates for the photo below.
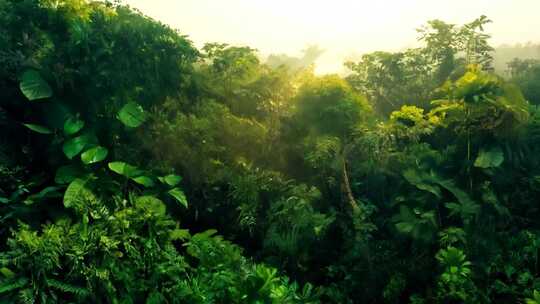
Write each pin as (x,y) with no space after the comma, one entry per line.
(136,168)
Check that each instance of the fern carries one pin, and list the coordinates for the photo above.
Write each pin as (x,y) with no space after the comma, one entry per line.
(26,296)
(11,285)
(68,288)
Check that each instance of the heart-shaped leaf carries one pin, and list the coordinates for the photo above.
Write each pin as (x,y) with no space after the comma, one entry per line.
(94,155)
(132,115)
(33,86)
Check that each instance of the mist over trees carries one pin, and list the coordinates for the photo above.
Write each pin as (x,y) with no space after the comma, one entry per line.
(136,168)
(505,54)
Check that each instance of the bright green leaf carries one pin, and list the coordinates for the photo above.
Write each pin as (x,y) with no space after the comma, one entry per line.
(94,155)
(171,179)
(124,169)
(132,115)
(144,180)
(489,158)
(33,86)
(73,125)
(179,196)
(179,234)
(75,145)
(38,128)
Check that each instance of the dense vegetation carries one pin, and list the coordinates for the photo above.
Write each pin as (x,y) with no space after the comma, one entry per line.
(135,168)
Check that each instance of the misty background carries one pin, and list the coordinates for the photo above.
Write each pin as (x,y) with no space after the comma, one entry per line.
(328,33)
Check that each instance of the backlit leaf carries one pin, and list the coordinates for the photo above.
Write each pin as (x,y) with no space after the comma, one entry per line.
(132,115)
(94,155)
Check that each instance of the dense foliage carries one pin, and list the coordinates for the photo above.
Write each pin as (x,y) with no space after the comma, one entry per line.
(135,168)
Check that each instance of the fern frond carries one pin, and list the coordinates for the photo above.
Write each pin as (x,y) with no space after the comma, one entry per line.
(68,288)
(10,285)
(26,296)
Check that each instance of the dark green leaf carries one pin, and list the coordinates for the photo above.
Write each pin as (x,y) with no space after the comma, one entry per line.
(66,174)
(422,181)
(33,86)
(45,193)
(38,128)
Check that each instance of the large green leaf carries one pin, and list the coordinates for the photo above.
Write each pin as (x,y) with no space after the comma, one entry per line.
(144,180)
(171,179)
(461,195)
(73,125)
(75,145)
(38,128)
(422,180)
(489,158)
(33,86)
(179,196)
(94,155)
(132,115)
(124,169)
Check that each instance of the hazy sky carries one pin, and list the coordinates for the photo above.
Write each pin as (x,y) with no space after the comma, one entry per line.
(342,27)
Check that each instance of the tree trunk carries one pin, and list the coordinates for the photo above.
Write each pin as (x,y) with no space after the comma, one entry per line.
(346,185)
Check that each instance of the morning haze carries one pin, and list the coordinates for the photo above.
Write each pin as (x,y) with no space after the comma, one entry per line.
(343,28)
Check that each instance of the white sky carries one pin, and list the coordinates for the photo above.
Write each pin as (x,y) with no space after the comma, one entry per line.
(342,27)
